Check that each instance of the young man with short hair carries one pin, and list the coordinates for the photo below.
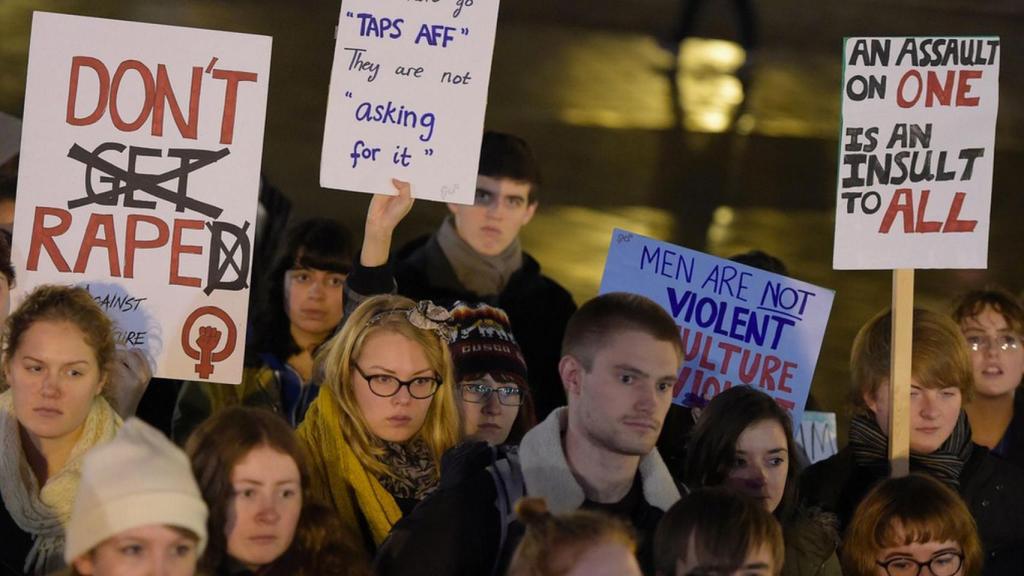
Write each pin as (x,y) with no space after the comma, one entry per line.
(620,360)
(476,256)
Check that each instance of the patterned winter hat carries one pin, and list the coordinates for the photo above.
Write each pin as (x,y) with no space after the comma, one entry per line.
(484,344)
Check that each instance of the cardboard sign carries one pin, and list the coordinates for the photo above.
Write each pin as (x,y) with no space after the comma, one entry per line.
(408,96)
(739,325)
(139,179)
(817,435)
(916,149)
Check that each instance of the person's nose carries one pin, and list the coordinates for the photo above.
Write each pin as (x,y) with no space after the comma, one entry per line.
(928,408)
(492,405)
(268,513)
(50,387)
(403,397)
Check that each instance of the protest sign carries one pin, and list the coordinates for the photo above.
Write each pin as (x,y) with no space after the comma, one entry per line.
(738,324)
(408,96)
(817,435)
(139,180)
(916,152)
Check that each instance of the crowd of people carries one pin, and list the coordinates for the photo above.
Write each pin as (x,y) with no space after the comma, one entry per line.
(445,409)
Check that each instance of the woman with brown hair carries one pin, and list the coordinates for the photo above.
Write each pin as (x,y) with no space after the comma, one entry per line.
(905,524)
(263,519)
(376,439)
(744,440)
(58,350)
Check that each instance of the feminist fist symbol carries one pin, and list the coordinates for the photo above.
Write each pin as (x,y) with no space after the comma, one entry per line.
(209,338)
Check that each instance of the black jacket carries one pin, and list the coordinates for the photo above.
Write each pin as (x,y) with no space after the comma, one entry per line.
(456,531)
(14,545)
(537,307)
(993,490)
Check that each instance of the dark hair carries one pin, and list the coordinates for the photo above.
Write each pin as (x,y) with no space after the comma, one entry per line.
(6,268)
(319,243)
(8,187)
(507,156)
(612,313)
(762,261)
(216,447)
(711,450)
(999,299)
(723,527)
(902,511)
(63,304)
(550,537)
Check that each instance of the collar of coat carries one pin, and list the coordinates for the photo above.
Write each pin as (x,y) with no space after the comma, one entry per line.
(546,471)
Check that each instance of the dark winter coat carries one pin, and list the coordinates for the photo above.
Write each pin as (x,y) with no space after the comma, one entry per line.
(14,545)
(992,488)
(456,530)
(537,307)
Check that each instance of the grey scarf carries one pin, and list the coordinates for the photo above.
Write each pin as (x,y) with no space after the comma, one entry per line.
(479,274)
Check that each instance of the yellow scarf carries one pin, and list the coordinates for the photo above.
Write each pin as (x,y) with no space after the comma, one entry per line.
(338,478)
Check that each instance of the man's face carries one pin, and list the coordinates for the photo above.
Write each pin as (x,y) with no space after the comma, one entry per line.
(620,404)
(502,207)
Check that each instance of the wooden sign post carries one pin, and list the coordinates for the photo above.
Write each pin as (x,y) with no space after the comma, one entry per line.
(914,186)
(899,370)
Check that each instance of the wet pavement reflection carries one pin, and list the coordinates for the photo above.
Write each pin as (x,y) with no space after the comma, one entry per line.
(713,148)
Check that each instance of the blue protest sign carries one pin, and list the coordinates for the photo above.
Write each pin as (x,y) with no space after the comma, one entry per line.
(738,325)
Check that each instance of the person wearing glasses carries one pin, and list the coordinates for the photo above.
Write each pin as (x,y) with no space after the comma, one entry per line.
(305,303)
(912,526)
(376,437)
(992,321)
(942,381)
(620,360)
(490,370)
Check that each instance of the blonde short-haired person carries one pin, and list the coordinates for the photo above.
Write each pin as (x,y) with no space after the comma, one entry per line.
(940,437)
(138,510)
(376,438)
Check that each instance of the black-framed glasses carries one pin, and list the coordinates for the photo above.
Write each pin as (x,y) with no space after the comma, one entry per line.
(945,564)
(479,392)
(981,343)
(386,385)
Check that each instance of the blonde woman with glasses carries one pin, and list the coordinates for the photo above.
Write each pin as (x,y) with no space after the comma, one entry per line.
(375,439)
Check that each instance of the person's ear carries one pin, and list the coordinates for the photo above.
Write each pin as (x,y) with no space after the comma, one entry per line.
(871,399)
(531,209)
(571,371)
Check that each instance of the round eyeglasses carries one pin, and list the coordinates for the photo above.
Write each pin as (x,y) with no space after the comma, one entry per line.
(386,385)
(1005,342)
(479,392)
(945,564)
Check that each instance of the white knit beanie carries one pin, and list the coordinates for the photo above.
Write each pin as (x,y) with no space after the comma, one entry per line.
(137,479)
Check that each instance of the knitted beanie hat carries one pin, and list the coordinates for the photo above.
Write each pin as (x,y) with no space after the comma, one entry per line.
(137,479)
(484,344)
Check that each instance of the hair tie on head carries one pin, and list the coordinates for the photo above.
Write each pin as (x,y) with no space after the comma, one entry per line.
(426,316)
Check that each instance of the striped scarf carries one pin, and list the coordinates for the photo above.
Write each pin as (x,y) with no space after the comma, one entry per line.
(871,449)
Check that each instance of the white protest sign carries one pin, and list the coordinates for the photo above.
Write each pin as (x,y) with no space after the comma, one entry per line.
(817,435)
(139,179)
(916,152)
(408,96)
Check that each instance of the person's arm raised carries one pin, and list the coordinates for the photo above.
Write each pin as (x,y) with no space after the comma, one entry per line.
(382,217)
